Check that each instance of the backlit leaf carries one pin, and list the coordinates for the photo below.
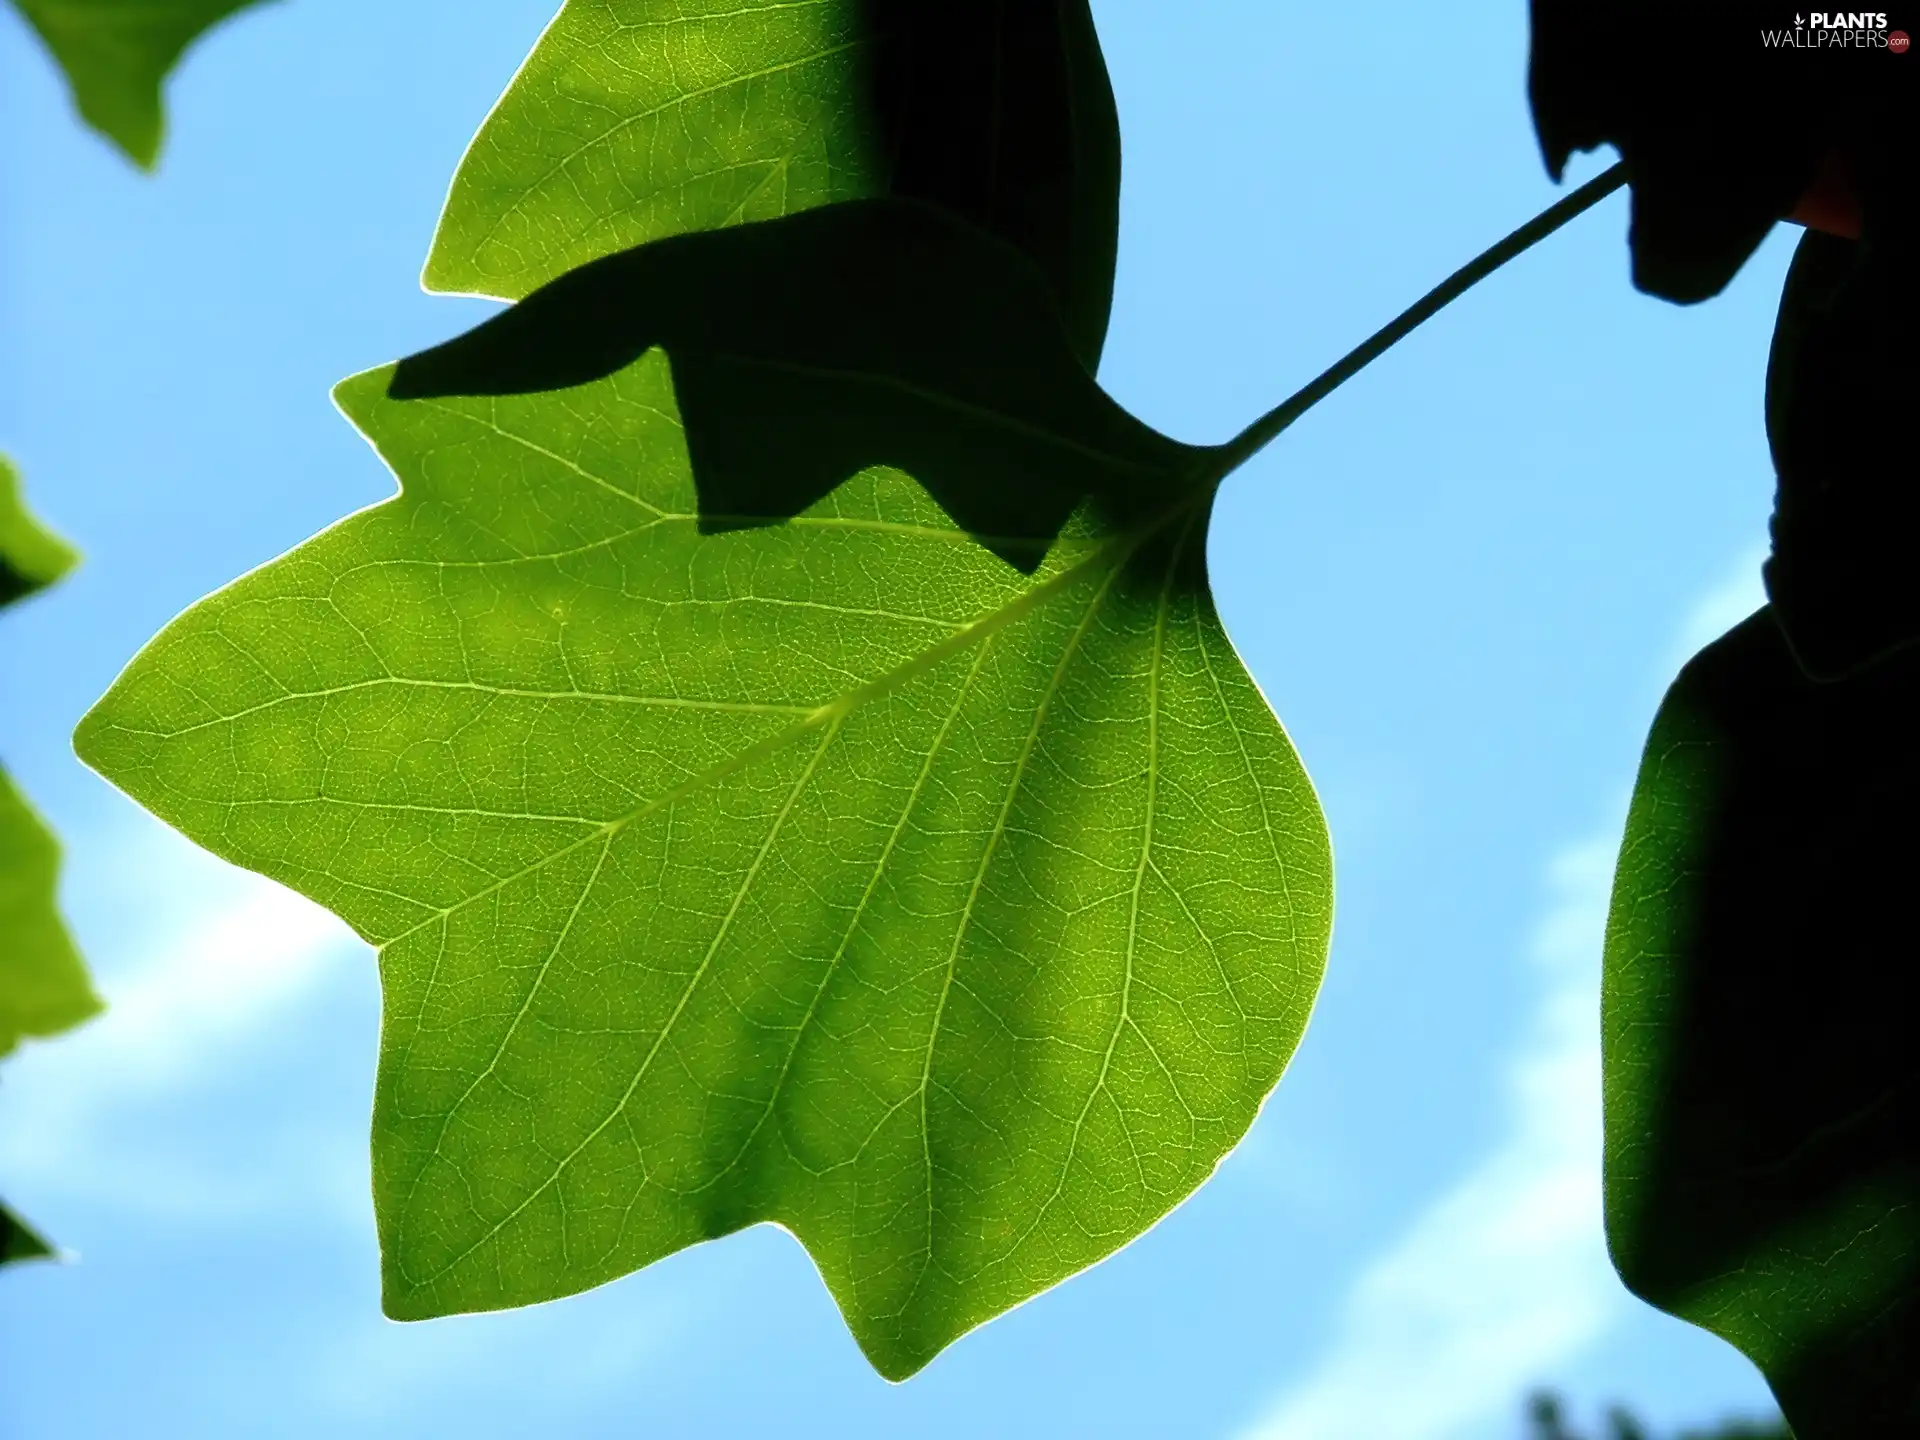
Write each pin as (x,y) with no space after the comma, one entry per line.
(782,742)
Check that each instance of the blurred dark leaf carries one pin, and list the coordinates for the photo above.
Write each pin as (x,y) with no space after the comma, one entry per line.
(18,1241)
(1762,1080)
(1547,1420)
(1843,386)
(1722,132)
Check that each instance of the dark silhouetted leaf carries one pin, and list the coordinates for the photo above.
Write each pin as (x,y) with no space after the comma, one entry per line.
(1842,386)
(1547,1420)
(1722,132)
(18,1240)
(1762,1070)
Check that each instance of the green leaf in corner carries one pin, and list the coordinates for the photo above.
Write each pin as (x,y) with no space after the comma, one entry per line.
(18,1240)
(31,556)
(116,54)
(43,986)
(634,120)
(1761,1062)
(793,771)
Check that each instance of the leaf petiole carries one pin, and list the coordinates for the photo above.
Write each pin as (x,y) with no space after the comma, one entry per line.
(1257,436)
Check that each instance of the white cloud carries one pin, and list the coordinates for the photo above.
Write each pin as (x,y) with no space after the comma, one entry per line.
(1506,1275)
(151,1119)
(1739,593)
(1507,1272)
(587,1347)
(197,961)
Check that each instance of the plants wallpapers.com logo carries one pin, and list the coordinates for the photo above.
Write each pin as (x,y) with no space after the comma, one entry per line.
(1838,30)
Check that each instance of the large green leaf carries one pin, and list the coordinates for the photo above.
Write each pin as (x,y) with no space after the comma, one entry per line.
(637,119)
(1762,1065)
(746,838)
(116,53)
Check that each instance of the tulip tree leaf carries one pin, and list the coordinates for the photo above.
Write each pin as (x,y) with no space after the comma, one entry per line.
(116,54)
(1762,1071)
(786,752)
(638,119)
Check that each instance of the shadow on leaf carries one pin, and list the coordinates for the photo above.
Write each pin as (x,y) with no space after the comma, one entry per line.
(808,349)
(1000,111)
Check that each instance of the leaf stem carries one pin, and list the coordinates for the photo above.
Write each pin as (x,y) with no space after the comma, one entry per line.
(1257,436)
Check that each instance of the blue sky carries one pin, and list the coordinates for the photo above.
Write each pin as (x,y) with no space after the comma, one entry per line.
(1463,581)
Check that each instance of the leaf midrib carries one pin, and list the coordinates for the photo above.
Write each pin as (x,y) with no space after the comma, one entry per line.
(838,716)
(987,852)
(1116,549)
(859,912)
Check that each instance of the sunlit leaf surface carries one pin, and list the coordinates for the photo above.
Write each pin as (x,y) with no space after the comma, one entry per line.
(783,744)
